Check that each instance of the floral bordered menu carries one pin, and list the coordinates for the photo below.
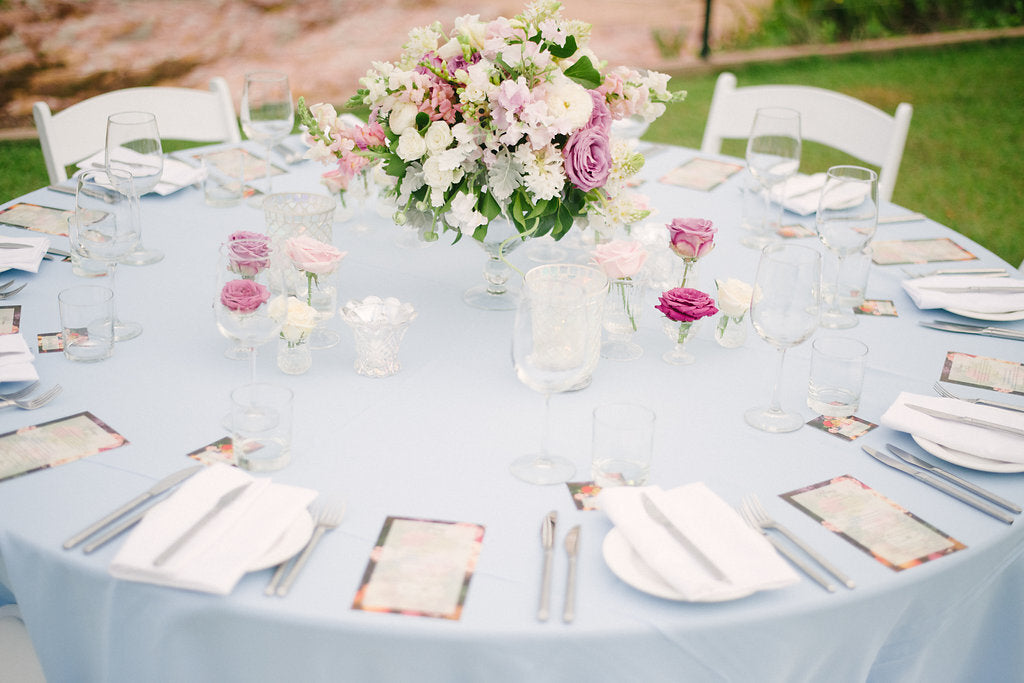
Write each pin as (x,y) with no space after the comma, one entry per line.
(54,443)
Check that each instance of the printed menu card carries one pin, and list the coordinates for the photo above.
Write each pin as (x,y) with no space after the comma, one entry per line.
(893,252)
(872,522)
(1004,376)
(420,567)
(54,443)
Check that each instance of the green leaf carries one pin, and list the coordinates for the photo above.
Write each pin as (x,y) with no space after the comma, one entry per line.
(422,120)
(568,50)
(489,206)
(584,73)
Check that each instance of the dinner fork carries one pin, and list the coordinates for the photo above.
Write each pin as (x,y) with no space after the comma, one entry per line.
(20,392)
(33,403)
(789,554)
(980,272)
(6,285)
(760,516)
(8,294)
(943,391)
(327,518)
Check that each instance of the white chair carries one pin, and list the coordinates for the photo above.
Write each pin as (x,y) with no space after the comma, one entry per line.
(827,117)
(18,660)
(181,114)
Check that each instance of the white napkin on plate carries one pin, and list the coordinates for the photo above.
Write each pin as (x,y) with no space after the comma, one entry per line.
(23,259)
(222,551)
(16,360)
(922,291)
(803,193)
(742,554)
(176,174)
(993,444)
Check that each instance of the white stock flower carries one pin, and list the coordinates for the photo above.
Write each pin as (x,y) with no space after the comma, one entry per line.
(325,115)
(438,137)
(734,297)
(439,179)
(411,145)
(402,117)
(463,214)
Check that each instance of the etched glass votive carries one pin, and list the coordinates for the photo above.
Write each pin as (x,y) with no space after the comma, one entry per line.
(378,325)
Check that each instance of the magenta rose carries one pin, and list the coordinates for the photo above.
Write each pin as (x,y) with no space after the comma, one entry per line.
(313,256)
(691,237)
(243,296)
(685,305)
(588,158)
(248,252)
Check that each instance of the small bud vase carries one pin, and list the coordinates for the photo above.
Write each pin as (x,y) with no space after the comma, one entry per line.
(690,276)
(731,331)
(293,358)
(681,333)
(621,317)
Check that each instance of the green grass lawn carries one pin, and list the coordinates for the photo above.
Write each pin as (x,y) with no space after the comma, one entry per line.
(963,164)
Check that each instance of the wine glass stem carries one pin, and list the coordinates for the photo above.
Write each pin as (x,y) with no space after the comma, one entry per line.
(270,144)
(252,365)
(840,258)
(545,427)
(111,270)
(776,404)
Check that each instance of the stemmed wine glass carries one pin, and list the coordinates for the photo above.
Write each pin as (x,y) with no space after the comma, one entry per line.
(784,311)
(133,144)
(846,222)
(549,353)
(267,114)
(773,156)
(105,227)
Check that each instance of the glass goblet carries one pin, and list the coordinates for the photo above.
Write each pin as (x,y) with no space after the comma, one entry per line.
(773,156)
(133,144)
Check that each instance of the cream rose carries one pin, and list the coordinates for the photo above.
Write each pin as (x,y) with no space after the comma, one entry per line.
(734,297)
(438,137)
(299,319)
(411,145)
(402,117)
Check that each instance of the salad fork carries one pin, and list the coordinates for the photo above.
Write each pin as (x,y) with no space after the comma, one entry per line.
(33,403)
(9,293)
(327,517)
(944,392)
(20,392)
(760,516)
(748,517)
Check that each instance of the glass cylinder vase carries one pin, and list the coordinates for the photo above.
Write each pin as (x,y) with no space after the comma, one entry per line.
(621,319)
(293,358)
(731,331)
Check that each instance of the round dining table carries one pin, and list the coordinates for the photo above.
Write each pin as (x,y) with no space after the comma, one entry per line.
(435,441)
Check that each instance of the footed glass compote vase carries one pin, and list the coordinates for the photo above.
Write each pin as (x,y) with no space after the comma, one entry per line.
(681,333)
(494,295)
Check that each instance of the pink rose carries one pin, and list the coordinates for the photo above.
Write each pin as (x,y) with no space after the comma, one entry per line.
(684,305)
(691,237)
(588,158)
(248,252)
(600,117)
(243,296)
(620,258)
(313,256)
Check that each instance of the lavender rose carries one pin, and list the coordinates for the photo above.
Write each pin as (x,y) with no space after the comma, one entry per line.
(691,238)
(685,305)
(243,296)
(588,158)
(248,252)
(601,116)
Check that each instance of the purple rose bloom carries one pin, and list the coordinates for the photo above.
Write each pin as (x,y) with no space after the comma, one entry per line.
(588,158)
(243,296)
(248,252)
(685,305)
(601,117)
(691,237)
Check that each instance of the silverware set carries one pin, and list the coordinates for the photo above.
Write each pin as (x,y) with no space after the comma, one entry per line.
(755,515)
(986,330)
(942,391)
(327,517)
(7,292)
(39,401)
(572,546)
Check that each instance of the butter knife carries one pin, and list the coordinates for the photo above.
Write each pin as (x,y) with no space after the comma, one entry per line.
(959,481)
(224,501)
(936,483)
(164,484)
(658,516)
(963,419)
(547,540)
(572,548)
(986,330)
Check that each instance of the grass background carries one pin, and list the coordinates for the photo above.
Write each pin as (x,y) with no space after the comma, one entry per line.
(963,165)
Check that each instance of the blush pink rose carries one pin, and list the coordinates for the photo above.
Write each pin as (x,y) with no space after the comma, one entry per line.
(691,237)
(685,305)
(620,258)
(313,256)
(588,158)
(248,252)
(243,296)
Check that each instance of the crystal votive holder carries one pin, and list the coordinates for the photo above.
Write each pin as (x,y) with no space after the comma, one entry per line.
(378,326)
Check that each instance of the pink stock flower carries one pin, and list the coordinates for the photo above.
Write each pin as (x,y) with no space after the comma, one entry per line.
(620,258)
(243,296)
(691,238)
(313,256)
(685,305)
(588,158)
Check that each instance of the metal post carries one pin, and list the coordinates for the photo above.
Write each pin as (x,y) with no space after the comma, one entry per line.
(705,50)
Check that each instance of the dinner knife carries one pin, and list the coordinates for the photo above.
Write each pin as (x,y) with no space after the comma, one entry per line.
(934,482)
(974,289)
(164,484)
(901,218)
(572,548)
(988,331)
(658,516)
(960,481)
(223,502)
(14,245)
(964,419)
(547,541)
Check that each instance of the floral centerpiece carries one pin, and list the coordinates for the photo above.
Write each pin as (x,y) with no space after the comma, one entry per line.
(509,118)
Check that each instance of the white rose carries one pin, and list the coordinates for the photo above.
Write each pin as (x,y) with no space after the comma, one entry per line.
(411,145)
(299,321)
(402,117)
(734,297)
(438,137)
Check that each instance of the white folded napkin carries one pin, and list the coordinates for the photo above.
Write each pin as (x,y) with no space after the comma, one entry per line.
(743,555)
(985,443)
(176,174)
(27,259)
(922,291)
(803,193)
(16,360)
(226,547)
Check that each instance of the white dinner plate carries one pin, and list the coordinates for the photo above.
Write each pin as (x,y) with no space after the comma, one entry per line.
(994,317)
(967,460)
(289,543)
(626,564)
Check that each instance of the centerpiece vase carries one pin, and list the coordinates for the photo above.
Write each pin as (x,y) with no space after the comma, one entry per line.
(494,295)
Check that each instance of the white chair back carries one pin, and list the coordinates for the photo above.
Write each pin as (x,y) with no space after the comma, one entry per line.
(181,114)
(827,117)
(18,660)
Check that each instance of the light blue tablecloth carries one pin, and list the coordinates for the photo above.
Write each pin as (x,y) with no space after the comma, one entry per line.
(435,441)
